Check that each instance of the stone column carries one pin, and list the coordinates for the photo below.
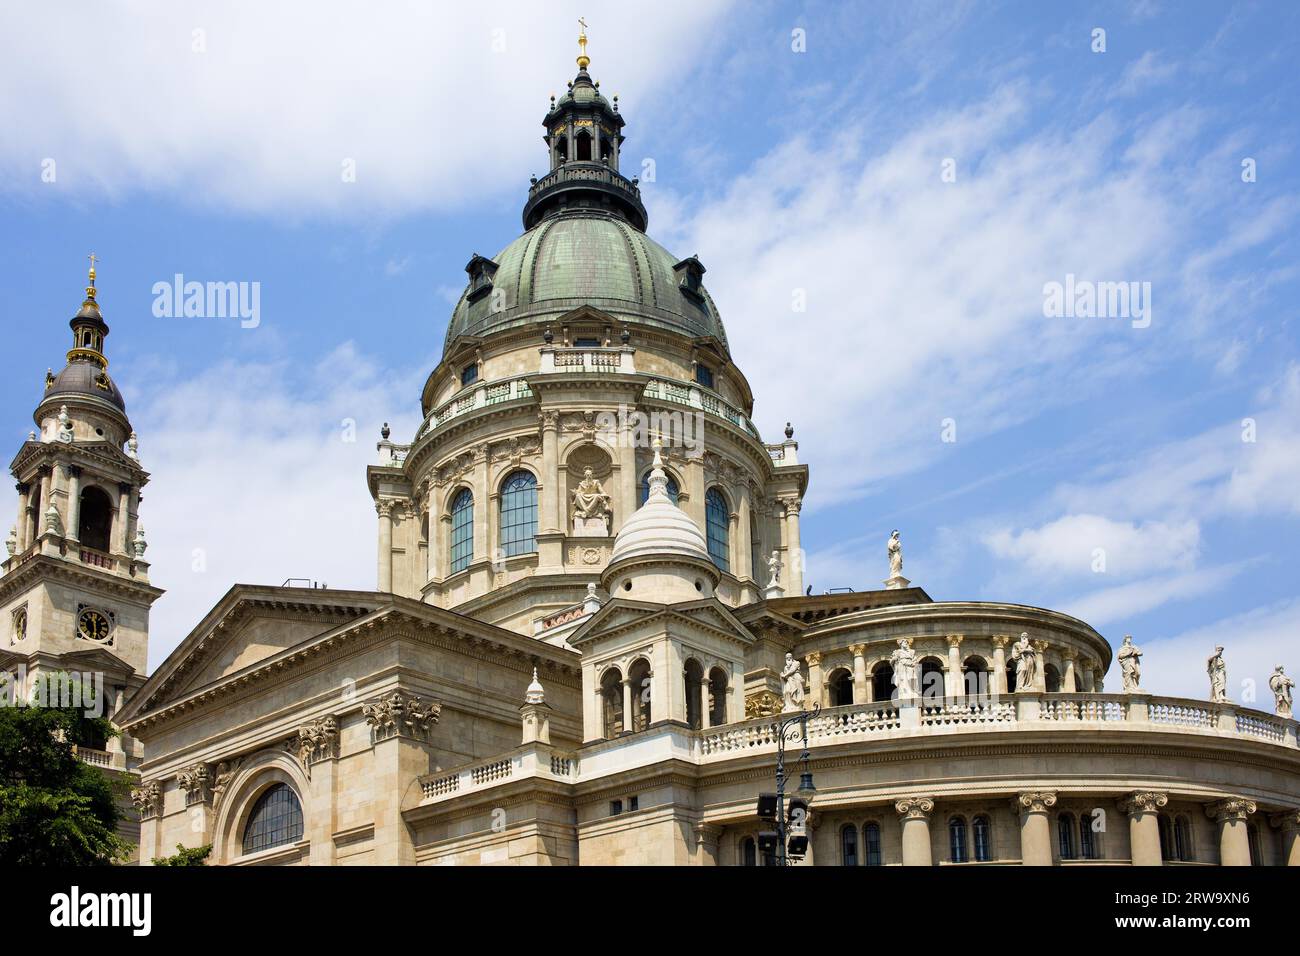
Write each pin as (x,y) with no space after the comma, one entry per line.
(550,516)
(794,551)
(1143,809)
(956,688)
(999,682)
(24,502)
(733,543)
(629,695)
(484,509)
(74,503)
(1069,684)
(1041,678)
(704,700)
(430,521)
(915,814)
(1234,838)
(860,682)
(1035,830)
(384,508)
(815,679)
(745,544)
(122,530)
(1289,824)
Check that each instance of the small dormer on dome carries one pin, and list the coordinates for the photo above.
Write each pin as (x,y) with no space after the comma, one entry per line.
(660,554)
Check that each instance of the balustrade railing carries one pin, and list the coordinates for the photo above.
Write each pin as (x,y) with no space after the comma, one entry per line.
(695,396)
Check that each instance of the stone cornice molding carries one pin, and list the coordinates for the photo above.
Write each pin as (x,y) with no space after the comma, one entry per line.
(69,572)
(1143,801)
(1230,808)
(914,808)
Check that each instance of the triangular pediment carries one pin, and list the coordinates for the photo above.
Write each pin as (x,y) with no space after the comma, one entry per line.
(248,626)
(619,616)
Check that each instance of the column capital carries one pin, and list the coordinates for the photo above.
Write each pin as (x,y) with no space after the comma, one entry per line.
(1040,646)
(384,507)
(1036,801)
(914,808)
(814,658)
(858,650)
(792,505)
(1230,808)
(1287,821)
(1001,640)
(1143,801)
(954,640)
(1069,654)
(73,471)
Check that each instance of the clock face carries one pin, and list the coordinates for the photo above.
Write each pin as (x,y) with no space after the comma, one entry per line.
(93,626)
(20,625)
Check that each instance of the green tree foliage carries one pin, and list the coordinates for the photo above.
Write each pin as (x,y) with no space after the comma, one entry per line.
(55,810)
(184,856)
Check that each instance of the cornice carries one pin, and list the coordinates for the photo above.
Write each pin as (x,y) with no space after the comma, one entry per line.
(42,566)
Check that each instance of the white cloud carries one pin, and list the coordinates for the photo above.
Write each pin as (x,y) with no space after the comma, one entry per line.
(1253,643)
(257,106)
(1084,544)
(254,477)
(1117,602)
(1148,70)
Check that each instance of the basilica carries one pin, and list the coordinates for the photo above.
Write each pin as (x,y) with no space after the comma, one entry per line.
(590,621)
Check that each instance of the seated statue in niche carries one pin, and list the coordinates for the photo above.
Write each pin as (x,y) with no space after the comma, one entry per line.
(591,510)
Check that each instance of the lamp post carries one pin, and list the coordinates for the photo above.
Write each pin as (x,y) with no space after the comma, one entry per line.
(791,835)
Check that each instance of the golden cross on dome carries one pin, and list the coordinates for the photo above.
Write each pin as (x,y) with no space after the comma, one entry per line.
(583,59)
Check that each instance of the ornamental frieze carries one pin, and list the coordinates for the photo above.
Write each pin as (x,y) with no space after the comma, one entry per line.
(763,704)
(401,715)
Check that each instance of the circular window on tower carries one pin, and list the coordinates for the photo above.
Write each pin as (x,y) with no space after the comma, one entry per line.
(20,624)
(94,625)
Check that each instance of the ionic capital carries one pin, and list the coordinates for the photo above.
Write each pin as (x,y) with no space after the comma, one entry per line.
(914,808)
(1037,801)
(1287,820)
(1230,808)
(1143,801)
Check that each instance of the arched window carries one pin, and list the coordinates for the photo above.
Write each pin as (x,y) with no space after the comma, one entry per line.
(882,682)
(980,833)
(757,563)
(561,151)
(978,677)
(1065,835)
(639,677)
(674,491)
(717,518)
(1183,839)
(871,844)
(1011,677)
(1167,850)
(583,142)
(849,845)
(749,852)
(957,840)
(462,531)
(519,514)
(841,688)
(276,820)
(611,700)
(1052,679)
(932,680)
(95,526)
(1088,849)
(718,695)
(693,676)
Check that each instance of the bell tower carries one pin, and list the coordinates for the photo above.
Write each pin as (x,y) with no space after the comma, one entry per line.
(75,592)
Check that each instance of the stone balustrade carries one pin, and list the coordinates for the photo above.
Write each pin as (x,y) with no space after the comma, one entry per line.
(533,760)
(698,397)
(558,359)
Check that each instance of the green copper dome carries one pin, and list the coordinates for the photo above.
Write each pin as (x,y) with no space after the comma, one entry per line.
(585,257)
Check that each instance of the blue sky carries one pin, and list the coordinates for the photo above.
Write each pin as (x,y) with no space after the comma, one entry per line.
(208,140)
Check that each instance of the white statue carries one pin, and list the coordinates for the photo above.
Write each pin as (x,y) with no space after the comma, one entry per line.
(11,542)
(65,425)
(1281,686)
(1026,658)
(903,661)
(1218,671)
(793,692)
(1130,664)
(590,501)
(140,545)
(53,521)
(774,569)
(895,555)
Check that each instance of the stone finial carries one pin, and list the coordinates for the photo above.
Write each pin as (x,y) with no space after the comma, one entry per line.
(591,603)
(65,425)
(385,432)
(535,694)
(140,545)
(11,542)
(133,447)
(53,521)
(789,431)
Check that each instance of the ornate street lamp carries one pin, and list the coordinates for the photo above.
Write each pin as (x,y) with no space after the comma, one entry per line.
(790,838)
